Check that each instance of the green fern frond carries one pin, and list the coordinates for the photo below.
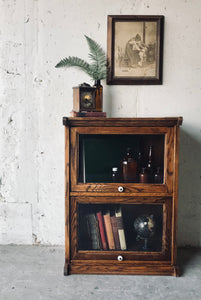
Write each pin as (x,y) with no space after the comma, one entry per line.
(73,61)
(96,50)
(97,69)
(98,58)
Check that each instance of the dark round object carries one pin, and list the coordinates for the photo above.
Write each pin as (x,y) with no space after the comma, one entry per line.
(145,226)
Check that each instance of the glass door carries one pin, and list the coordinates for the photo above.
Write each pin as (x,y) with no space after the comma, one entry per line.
(127,227)
(121,159)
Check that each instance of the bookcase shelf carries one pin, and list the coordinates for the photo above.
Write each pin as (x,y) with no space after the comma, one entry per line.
(127,226)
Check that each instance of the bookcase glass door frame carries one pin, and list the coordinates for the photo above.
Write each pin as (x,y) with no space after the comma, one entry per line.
(99,153)
(140,227)
(167,186)
(162,255)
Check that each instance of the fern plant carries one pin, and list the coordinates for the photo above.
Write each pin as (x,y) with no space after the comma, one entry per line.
(96,69)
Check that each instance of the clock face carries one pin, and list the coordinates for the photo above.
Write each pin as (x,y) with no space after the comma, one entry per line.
(86,99)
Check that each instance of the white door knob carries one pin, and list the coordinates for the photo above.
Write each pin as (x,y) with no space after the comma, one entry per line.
(120,258)
(120,189)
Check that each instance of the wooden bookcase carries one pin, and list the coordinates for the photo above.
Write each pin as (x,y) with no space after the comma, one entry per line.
(92,147)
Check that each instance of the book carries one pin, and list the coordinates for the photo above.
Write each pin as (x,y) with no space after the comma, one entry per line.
(102,230)
(115,232)
(120,228)
(88,114)
(93,230)
(108,229)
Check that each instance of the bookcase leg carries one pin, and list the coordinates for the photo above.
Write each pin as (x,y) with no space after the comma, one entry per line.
(176,272)
(66,269)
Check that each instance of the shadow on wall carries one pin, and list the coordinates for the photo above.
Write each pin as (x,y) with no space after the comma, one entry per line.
(189,209)
(107,100)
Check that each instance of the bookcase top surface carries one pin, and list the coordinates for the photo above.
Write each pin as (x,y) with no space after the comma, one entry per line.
(122,122)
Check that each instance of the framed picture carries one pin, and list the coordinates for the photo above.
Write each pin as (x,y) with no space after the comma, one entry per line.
(135,49)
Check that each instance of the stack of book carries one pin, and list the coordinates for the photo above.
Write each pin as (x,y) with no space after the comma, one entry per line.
(82,114)
(106,230)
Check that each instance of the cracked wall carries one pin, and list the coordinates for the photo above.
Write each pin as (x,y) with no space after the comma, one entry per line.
(34,96)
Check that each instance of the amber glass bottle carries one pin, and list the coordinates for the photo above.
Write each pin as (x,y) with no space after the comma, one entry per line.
(143,176)
(98,95)
(129,167)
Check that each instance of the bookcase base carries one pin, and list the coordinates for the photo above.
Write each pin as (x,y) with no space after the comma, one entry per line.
(66,269)
(122,268)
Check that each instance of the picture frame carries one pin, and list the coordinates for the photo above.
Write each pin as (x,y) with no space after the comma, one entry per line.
(135,49)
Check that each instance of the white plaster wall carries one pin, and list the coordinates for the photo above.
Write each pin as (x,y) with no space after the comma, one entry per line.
(34,36)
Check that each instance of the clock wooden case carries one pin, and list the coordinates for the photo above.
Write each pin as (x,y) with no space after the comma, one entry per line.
(93,146)
(84,98)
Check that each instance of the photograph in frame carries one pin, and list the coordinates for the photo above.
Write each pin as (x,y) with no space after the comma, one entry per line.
(135,49)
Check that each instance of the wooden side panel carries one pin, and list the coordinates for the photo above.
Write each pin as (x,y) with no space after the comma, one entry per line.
(167,229)
(74,151)
(73,224)
(169,159)
(175,195)
(67,206)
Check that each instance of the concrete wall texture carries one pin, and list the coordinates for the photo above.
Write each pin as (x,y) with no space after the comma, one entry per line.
(34,36)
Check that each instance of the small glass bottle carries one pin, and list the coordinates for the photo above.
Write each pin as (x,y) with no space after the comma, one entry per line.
(129,167)
(149,166)
(139,163)
(143,176)
(158,176)
(115,175)
(98,95)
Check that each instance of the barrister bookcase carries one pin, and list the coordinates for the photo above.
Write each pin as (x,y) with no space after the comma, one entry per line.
(115,226)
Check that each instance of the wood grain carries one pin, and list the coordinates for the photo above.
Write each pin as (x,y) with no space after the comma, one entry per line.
(113,188)
(169,158)
(122,268)
(122,122)
(67,192)
(117,194)
(76,193)
(128,187)
(175,195)
(164,254)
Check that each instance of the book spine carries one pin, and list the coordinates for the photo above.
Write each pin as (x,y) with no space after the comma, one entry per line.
(93,231)
(120,227)
(102,230)
(88,114)
(109,233)
(115,232)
